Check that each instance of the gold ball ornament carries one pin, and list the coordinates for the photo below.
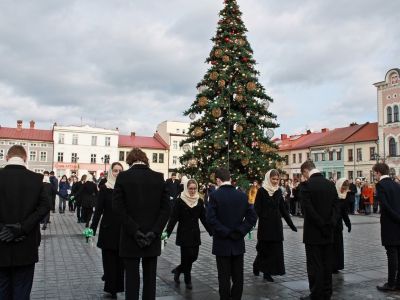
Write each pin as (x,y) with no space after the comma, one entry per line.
(216,112)
(198,131)
(212,176)
(221,83)
(214,75)
(239,98)
(217,146)
(251,86)
(245,161)
(240,42)
(202,101)
(239,128)
(218,53)
(225,58)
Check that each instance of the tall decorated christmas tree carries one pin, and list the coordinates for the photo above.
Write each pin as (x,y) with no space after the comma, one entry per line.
(231,125)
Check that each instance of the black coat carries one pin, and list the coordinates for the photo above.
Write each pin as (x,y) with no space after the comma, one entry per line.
(109,227)
(75,189)
(270,211)
(388,192)
(351,194)
(173,187)
(343,216)
(188,232)
(141,202)
(88,192)
(228,210)
(24,200)
(321,205)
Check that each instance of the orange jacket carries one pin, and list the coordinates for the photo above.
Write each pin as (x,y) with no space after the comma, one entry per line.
(368,192)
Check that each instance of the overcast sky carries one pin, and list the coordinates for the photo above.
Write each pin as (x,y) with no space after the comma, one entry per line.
(134,64)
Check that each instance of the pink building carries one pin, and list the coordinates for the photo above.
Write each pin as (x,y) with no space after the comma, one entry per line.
(388,94)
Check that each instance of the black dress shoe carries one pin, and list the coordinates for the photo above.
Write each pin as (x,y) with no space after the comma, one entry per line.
(268,278)
(189,285)
(176,276)
(305,297)
(386,288)
(256,272)
(335,272)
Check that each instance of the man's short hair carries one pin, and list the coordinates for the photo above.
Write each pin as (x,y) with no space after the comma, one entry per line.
(52,173)
(308,164)
(173,174)
(16,151)
(381,168)
(223,174)
(46,172)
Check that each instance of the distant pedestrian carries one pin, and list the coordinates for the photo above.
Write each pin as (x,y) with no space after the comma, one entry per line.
(89,192)
(253,192)
(388,193)
(231,217)
(78,198)
(23,204)
(173,185)
(368,197)
(357,197)
(63,190)
(207,191)
(350,197)
(54,182)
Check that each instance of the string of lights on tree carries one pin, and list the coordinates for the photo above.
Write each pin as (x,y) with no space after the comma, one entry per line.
(234,127)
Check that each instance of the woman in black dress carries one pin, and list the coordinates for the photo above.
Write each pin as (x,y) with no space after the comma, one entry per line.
(188,210)
(89,192)
(270,207)
(342,187)
(108,241)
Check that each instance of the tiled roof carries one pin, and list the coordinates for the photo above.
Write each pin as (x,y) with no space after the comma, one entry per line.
(26,134)
(337,136)
(310,139)
(155,142)
(291,141)
(367,133)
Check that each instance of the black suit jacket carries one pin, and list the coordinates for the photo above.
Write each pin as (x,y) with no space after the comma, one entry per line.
(388,192)
(23,199)
(351,194)
(140,202)
(270,211)
(88,193)
(109,227)
(173,187)
(321,205)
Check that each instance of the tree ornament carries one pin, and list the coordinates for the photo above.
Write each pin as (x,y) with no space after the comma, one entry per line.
(216,112)
(265,103)
(198,131)
(221,83)
(264,147)
(244,59)
(192,116)
(239,128)
(227,39)
(217,145)
(203,101)
(186,148)
(270,133)
(251,86)
(245,161)
(212,176)
(218,53)
(225,58)
(240,42)
(239,98)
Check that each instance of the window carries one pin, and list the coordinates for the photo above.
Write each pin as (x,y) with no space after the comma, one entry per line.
(338,175)
(300,158)
(154,157)
(392,147)
(107,142)
(2,143)
(372,153)
(359,154)
(287,159)
(294,158)
(161,158)
(93,158)
(74,139)
(177,131)
(350,174)
(1,154)
(94,140)
(43,156)
(359,174)
(174,160)
(60,173)
(389,114)
(32,155)
(350,154)
(43,145)
(175,145)
(183,131)
(396,113)
(308,155)
(33,145)
(61,138)
(60,156)
(339,155)
(330,156)
(315,157)
(74,157)
(322,156)
(39,171)
(22,144)
(11,143)
(121,155)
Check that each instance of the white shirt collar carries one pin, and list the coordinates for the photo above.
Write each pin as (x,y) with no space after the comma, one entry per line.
(383,177)
(226,183)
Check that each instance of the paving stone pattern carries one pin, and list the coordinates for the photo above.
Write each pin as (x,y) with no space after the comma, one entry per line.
(71,269)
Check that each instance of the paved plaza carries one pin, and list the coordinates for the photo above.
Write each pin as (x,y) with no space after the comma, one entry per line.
(71,269)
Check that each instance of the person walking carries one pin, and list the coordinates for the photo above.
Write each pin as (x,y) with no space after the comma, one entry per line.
(71,203)
(321,207)
(368,197)
(54,182)
(24,202)
(63,190)
(89,192)
(173,187)
(142,206)
(357,197)
(109,233)
(231,217)
(207,191)
(388,192)
(342,187)
(77,198)
(350,197)
(188,211)
(270,208)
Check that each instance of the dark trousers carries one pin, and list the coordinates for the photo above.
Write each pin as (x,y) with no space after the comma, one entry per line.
(293,207)
(87,214)
(78,213)
(319,270)
(71,205)
(61,204)
(351,207)
(287,205)
(149,266)
(230,266)
(16,282)
(113,267)
(393,255)
(376,204)
(53,202)
(188,256)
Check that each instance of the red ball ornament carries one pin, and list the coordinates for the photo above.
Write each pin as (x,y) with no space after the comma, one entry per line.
(233,10)
(217,63)
(234,183)
(244,59)
(231,42)
(218,92)
(243,106)
(228,21)
(211,151)
(245,100)
(213,62)
(226,39)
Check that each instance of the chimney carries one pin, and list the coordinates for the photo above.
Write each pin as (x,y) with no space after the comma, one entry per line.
(324,130)
(353,124)
(19,125)
(308,131)
(133,134)
(32,123)
(283,137)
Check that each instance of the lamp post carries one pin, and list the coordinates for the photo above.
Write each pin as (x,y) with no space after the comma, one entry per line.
(392,173)
(105,160)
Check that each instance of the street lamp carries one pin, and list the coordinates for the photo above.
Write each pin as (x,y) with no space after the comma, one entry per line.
(392,173)
(105,160)
(376,157)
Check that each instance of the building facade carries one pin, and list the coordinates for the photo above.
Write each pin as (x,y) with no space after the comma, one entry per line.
(37,143)
(83,149)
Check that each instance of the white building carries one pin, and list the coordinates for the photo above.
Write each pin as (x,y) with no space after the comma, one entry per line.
(83,149)
(173,133)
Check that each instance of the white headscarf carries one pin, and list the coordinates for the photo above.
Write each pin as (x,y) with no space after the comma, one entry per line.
(89,177)
(46,179)
(191,201)
(110,179)
(339,184)
(267,185)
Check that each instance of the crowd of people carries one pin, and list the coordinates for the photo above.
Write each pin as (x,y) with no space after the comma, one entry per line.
(135,208)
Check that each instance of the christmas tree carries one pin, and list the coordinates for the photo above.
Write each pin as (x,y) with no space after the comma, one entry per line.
(235,127)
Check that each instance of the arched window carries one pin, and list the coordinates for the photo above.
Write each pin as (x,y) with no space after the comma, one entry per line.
(392,147)
(396,113)
(389,115)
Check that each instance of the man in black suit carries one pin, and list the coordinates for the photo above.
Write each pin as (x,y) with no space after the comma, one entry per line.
(321,207)
(54,182)
(388,192)
(141,204)
(24,202)
(351,196)
(231,217)
(173,185)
